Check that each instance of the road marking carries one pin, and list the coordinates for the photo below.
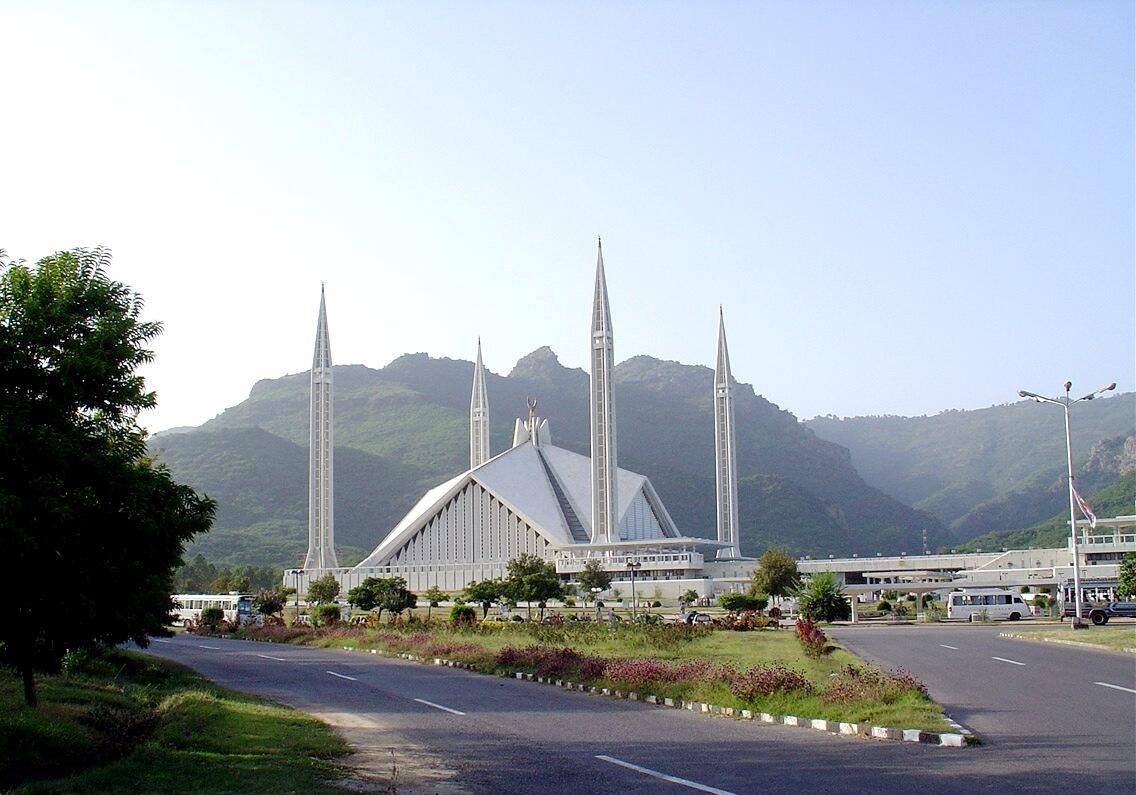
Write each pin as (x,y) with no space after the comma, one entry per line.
(1115,687)
(672,779)
(160,640)
(1003,659)
(945,646)
(214,648)
(342,676)
(439,706)
(278,659)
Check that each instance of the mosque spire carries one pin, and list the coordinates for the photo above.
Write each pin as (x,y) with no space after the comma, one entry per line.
(321,518)
(605,518)
(478,416)
(725,449)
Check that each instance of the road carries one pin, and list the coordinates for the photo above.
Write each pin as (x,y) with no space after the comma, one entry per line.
(505,736)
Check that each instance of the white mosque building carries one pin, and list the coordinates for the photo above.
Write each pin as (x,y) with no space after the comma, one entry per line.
(538,498)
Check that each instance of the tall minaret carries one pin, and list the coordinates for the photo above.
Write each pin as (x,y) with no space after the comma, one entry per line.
(605,519)
(725,449)
(321,518)
(478,416)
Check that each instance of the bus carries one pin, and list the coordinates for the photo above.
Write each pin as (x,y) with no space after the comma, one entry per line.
(237,606)
(991,602)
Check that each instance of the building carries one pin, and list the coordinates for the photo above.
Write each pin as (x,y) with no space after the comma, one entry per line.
(568,508)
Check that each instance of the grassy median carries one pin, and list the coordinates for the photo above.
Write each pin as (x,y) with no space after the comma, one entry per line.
(765,670)
(1113,636)
(129,723)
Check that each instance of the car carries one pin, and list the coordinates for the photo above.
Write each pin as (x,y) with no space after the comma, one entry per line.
(1100,614)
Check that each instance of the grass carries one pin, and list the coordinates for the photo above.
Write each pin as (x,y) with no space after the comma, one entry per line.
(1108,637)
(128,723)
(739,650)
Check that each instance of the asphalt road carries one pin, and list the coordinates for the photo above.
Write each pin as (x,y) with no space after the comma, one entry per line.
(505,736)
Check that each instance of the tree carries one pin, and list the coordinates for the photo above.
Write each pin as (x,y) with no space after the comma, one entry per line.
(688,597)
(323,590)
(269,601)
(532,579)
(382,593)
(80,499)
(822,598)
(433,595)
(484,593)
(776,574)
(1127,587)
(593,576)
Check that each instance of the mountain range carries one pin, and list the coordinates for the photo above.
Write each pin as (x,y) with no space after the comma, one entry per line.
(403,428)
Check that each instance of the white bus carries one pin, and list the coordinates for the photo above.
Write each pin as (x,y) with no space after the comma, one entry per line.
(992,602)
(189,605)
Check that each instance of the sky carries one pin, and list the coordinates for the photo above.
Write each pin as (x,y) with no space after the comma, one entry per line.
(902,207)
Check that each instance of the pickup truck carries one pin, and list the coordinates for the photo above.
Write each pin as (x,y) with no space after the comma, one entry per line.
(1100,614)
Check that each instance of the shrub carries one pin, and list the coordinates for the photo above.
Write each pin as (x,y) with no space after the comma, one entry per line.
(813,640)
(883,606)
(656,603)
(765,680)
(463,615)
(211,618)
(551,661)
(853,684)
(822,598)
(327,615)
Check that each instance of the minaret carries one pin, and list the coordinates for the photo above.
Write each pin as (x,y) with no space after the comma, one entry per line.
(321,518)
(478,416)
(604,463)
(725,449)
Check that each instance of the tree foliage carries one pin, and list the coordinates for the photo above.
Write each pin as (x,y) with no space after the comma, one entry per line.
(80,501)
(688,597)
(532,579)
(822,598)
(592,576)
(382,593)
(270,601)
(736,602)
(324,590)
(776,574)
(1127,587)
(484,593)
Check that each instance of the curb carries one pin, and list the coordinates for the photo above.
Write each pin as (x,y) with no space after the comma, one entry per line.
(957,739)
(1082,644)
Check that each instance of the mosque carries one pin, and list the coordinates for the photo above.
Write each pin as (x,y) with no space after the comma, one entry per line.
(536,497)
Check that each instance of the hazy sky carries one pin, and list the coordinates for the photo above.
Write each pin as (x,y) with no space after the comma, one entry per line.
(904,207)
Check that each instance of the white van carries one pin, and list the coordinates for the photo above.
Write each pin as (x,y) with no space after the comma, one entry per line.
(994,602)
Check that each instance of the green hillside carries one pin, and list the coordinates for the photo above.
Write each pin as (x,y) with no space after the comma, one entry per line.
(402,429)
(949,463)
(1117,499)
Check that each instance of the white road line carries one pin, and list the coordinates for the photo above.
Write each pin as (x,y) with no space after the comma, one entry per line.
(673,779)
(214,648)
(161,640)
(439,706)
(1003,659)
(1115,687)
(342,676)
(278,659)
(945,646)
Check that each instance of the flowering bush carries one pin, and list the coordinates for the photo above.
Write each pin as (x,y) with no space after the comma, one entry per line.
(812,638)
(764,680)
(639,672)
(549,660)
(868,683)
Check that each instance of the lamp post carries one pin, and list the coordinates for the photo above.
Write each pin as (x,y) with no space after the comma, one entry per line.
(596,598)
(633,566)
(297,573)
(1065,403)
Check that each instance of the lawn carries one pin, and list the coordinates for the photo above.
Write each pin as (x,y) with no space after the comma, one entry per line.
(128,723)
(1118,637)
(722,655)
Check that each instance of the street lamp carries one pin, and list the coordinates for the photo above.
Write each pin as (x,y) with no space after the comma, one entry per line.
(297,573)
(596,598)
(1065,403)
(633,566)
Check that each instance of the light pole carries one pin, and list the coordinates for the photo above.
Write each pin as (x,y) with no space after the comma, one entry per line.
(596,598)
(1065,403)
(633,566)
(297,573)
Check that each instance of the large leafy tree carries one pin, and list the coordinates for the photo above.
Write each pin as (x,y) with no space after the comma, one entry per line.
(532,579)
(776,574)
(92,529)
(382,593)
(485,593)
(324,590)
(592,576)
(1126,589)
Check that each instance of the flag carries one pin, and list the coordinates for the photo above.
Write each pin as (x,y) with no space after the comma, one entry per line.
(1085,509)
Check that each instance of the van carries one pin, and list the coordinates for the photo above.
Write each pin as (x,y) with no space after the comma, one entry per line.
(990,602)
